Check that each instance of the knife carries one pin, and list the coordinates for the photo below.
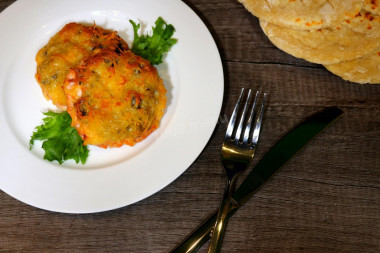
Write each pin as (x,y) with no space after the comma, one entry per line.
(272,161)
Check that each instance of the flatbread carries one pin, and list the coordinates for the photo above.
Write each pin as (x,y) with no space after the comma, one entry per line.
(365,22)
(372,6)
(365,69)
(301,14)
(323,46)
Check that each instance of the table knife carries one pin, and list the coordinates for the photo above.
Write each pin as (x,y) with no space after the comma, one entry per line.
(272,161)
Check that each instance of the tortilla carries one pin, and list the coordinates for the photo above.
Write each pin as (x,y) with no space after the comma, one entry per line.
(372,6)
(305,15)
(323,46)
(365,22)
(365,69)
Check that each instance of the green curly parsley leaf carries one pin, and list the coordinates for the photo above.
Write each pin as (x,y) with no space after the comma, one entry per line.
(153,47)
(61,141)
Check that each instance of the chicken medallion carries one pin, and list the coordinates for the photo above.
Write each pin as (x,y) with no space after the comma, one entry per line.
(115,99)
(66,50)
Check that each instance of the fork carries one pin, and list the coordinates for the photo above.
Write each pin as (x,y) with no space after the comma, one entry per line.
(237,153)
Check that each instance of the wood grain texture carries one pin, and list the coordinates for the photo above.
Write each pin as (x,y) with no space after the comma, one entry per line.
(327,199)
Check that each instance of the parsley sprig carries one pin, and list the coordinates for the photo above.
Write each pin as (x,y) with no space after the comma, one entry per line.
(153,47)
(61,141)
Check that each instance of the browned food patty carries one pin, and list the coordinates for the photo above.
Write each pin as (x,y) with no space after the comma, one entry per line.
(115,99)
(66,50)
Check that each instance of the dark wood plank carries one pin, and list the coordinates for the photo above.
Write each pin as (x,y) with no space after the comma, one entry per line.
(327,199)
(5,3)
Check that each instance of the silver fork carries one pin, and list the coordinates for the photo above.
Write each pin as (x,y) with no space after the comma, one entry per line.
(237,154)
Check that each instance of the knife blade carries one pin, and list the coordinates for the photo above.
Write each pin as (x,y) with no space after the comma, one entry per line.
(272,161)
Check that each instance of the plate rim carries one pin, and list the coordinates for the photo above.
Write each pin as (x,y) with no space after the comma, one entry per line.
(206,132)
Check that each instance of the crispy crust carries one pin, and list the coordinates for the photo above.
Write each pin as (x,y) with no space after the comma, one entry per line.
(67,49)
(115,99)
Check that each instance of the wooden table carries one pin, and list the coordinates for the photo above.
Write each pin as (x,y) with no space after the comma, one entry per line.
(327,199)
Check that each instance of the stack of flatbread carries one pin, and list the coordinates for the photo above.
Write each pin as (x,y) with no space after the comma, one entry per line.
(343,35)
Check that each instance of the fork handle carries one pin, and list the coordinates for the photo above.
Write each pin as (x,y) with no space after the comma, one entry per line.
(221,220)
(202,233)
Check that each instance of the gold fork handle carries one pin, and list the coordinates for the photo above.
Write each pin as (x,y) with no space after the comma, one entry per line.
(221,220)
(202,233)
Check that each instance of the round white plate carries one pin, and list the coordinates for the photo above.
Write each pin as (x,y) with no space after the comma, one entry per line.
(111,178)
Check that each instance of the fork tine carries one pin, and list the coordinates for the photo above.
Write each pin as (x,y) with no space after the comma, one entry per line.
(231,123)
(259,120)
(242,118)
(250,120)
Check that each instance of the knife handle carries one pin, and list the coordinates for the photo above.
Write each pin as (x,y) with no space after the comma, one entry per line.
(202,233)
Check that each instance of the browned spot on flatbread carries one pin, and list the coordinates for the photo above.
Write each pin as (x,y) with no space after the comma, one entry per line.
(369,16)
(372,6)
(314,23)
(365,22)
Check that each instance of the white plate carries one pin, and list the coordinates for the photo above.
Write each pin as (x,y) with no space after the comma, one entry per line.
(111,178)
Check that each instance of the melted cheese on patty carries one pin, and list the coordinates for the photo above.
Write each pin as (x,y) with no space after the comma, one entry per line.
(65,50)
(115,99)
